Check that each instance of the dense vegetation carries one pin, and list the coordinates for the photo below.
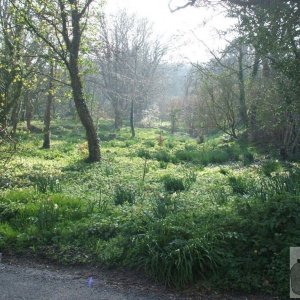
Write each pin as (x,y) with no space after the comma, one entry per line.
(198,177)
(218,213)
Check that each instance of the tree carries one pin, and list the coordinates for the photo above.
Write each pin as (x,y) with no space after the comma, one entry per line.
(236,3)
(11,65)
(47,117)
(60,24)
(274,33)
(128,58)
(232,59)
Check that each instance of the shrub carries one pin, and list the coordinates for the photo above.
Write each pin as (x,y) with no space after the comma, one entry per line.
(238,185)
(170,252)
(8,210)
(110,252)
(163,155)
(149,143)
(163,165)
(263,237)
(173,184)
(8,236)
(170,144)
(124,194)
(270,166)
(248,158)
(143,153)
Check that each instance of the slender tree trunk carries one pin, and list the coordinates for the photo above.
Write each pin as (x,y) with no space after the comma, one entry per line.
(53,109)
(83,112)
(15,117)
(47,117)
(28,111)
(16,107)
(132,119)
(242,98)
(118,118)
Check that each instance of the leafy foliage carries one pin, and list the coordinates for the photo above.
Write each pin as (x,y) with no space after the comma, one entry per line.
(173,184)
(226,228)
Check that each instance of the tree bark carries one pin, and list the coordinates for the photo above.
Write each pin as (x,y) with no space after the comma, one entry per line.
(28,111)
(15,117)
(118,118)
(242,98)
(83,112)
(132,119)
(16,107)
(47,117)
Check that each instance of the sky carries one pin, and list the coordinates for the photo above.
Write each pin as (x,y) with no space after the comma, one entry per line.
(185,29)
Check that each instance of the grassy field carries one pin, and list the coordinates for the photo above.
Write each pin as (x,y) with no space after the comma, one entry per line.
(217,214)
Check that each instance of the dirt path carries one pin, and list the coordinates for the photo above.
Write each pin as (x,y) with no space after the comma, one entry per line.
(32,281)
(23,282)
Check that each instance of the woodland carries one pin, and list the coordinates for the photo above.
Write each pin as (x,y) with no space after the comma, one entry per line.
(112,155)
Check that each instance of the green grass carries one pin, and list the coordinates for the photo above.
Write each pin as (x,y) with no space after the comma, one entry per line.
(184,213)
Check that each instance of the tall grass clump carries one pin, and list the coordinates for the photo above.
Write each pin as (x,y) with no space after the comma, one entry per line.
(173,184)
(207,156)
(44,184)
(173,251)
(124,194)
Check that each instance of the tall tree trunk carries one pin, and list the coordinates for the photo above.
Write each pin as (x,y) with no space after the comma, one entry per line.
(118,117)
(3,110)
(28,110)
(83,112)
(16,107)
(132,119)
(15,117)
(47,117)
(242,98)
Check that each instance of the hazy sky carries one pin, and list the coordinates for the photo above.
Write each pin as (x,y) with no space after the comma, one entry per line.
(187,26)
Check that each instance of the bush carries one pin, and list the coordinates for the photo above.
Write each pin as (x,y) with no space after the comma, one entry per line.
(110,252)
(238,185)
(8,236)
(173,184)
(170,144)
(149,143)
(143,153)
(124,194)
(8,210)
(270,166)
(170,252)
(264,232)
(163,165)
(248,158)
(163,155)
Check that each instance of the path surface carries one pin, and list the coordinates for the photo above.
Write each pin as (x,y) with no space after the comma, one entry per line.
(23,282)
(33,281)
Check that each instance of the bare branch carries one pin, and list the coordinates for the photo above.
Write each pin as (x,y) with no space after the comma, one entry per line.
(189,3)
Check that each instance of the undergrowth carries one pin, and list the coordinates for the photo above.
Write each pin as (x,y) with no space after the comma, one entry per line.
(179,221)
